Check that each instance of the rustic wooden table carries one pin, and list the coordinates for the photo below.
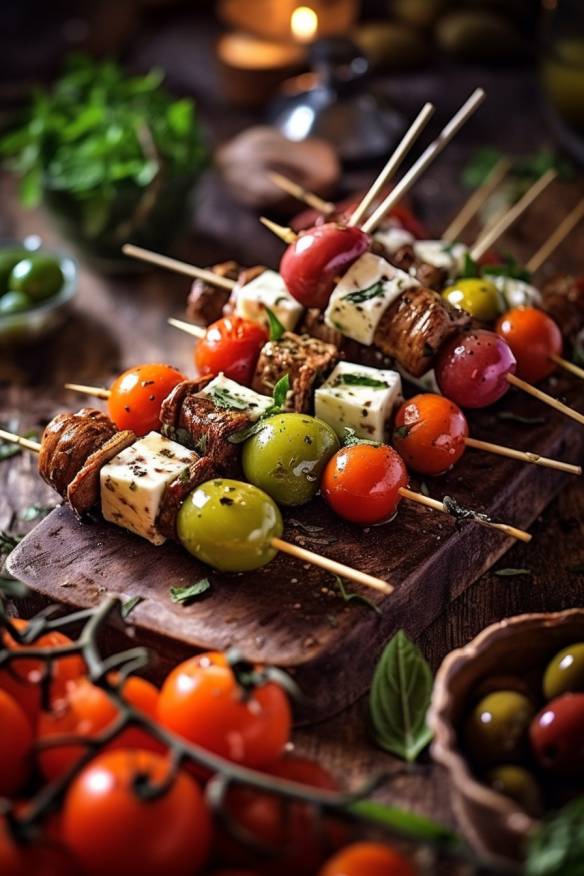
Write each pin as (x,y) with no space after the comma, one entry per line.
(118,322)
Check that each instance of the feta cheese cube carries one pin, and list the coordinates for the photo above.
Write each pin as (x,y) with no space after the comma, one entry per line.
(363,295)
(233,396)
(516,293)
(360,398)
(449,256)
(268,289)
(394,238)
(134,481)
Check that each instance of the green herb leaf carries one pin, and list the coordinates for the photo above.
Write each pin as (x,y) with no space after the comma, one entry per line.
(406,824)
(510,417)
(360,295)
(226,400)
(557,848)
(184,595)
(511,573)
(402,431)
(469,268)
(8,541)
(480,166)
(347,596)
(281,390)
(276,327)
(305,527)
(12,588)
(510,267)
(362,380)
(130,605)
(350,438)
(400,698)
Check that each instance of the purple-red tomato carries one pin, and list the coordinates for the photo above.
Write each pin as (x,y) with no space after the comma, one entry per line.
(472,368)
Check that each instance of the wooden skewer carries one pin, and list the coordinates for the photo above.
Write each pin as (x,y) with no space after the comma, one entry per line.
(281,231)
(511,531)
(510,216)
(393,162)
(554,240)
(547,399)
(476,200)
(95,391)
(162,261)
(22,442)
(425,159)
(523,456)
(195,330)
(569,366)
(301,194)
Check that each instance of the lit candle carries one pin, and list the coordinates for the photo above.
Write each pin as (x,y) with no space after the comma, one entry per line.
(304,24)
(251,67)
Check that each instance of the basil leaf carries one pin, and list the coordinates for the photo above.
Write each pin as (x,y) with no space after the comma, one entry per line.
(130,605)
(402,431)
(510,417)
(276,327)
(281,390)
(511,573)
(350,438)
(347,596)
(360,295)
(407,824)
(362,380)
(400,698)
(470,268)
(226,400)
(510,267)
(557,848)
(183,595)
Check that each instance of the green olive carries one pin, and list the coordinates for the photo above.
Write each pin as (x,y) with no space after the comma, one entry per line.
(565,673)
(39,276)
(287,456)
(9,257)
(518,784)
(478,297)
(496,730)
(229,525)
(14,302)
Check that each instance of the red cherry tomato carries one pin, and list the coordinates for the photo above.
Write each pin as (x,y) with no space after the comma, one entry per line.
(311,264)
(38,859)
(533,337)
(136,396)
(429,433)
(472,368)
(201,701)
(85,711)
(368,859)
(111,830)
(557,735)
(21,678)
(16,741)
(232,345)
(361,483)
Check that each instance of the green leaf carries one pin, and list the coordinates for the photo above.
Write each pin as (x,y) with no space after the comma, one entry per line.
(511,573)
(281,390)
(184,595)
(8,541)
(348,596)
(362,380)
(12,588)
(410,825)
(350,438)
(510,417)
(222,398)
(31,187)
(480,166)
(402,431)
(510,267)
(399,699)
(470,268)
(129,606)
(276,327)
(360,295)
(557,848)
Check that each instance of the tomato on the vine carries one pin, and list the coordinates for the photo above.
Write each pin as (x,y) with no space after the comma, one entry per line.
(202,701)
(16,740)
(430,433)
(534,338)
(368,859)
(362,482)
(42,858)
(114,827)
(85,711)
(231,345)
(136,396)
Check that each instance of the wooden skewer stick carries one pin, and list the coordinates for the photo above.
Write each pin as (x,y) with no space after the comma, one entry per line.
(301,194)
(393,162)
(195,330)
(22,442)
(510,216)
(569,366)
(523,456)
(425,159)
(162,261)
(95,391)
(564,228)
(476,200)
(547,399)
(511,531)
(281,231)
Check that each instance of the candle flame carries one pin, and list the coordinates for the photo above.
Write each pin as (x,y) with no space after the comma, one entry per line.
(304,23)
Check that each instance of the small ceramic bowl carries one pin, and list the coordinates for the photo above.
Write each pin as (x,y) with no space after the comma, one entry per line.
(31,325)
(495,825)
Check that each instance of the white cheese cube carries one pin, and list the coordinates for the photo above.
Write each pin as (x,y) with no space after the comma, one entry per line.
(363,295)
(233,396)
(360,398)
(516,293)
(268,290)
(394,238)
(134,481)
(449,256)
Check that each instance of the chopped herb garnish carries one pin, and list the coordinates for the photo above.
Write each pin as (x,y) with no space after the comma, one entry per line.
(402,431)
(348,596)
(511,573)
(362,380)
(360,295)
(306,527)
(225,399)
(469,268)
(130,605)
(281,390)
(461,512)
(350,437)
(510,267)
(276,327)
(183,595)
(510,417)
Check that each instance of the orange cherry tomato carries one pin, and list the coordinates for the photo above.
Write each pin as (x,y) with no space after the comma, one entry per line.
(113,831)
(368,859)
(429,433)
(16,741)
(85,711)
(43,858)
(231,345)
(533,337)
(362,482)
(21,677)
(201,701)
(136,396)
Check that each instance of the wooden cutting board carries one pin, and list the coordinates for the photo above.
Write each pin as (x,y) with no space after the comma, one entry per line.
(291,614)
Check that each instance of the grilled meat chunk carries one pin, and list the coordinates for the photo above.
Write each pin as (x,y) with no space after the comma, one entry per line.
(313,324)
(206,302)
(68,442)
(176,492)
(83,493)
(308,361)
(563,299)
(428,275)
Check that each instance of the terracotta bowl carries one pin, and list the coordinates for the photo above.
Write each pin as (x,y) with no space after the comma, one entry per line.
(521,646)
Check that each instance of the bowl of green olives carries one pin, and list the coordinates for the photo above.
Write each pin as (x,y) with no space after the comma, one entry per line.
(508,720)
(36,289)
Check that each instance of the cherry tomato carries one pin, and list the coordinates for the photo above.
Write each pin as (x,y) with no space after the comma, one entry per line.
(533,337)
(202,701)
(112,830)
(429,433)
(311,264)
(16,741)
(368,859)
(557,735)
(472,368)
(361,483)
(85,711)
(283,825)
(136,396)
(232,345)
(21,678)
(42,858)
